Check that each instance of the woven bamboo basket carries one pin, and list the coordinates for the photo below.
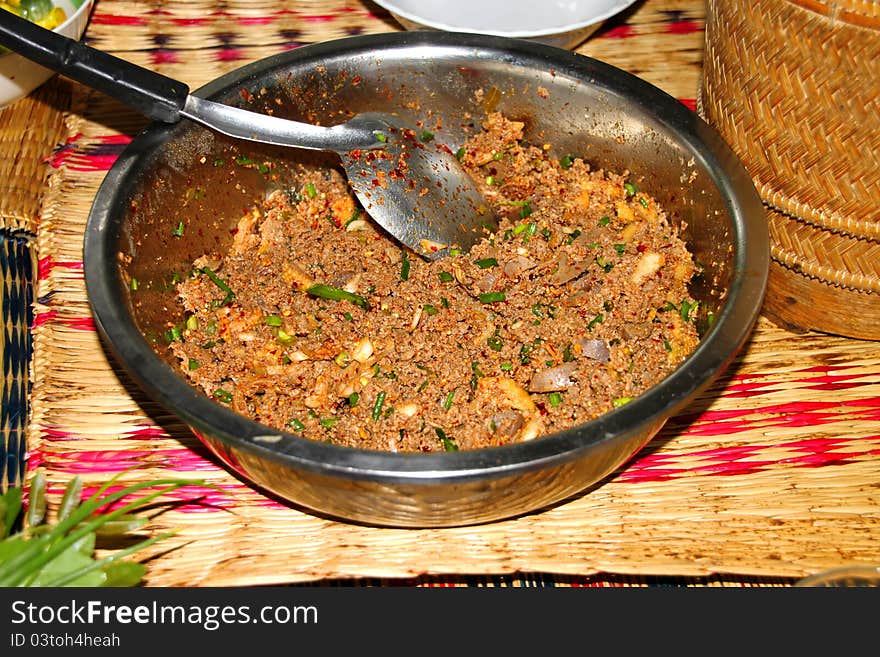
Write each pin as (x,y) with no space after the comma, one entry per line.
(793,86)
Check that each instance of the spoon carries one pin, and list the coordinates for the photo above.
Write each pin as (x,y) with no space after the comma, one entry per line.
(413,187)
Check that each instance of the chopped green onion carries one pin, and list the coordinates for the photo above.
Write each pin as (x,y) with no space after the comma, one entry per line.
(604,221)
(273,320)
(477,372)
(555,399)
(522,228)
(284,338)
(427,135)
(431,310)
(311,191)
(687,309)
(566,161)
(219,282)
(604,264)
(376,412)
(459,153)
(620,401)
(492,297)
(620,248)
(630,188)
(354,215)
(353,399)
(495,343)
(448,444)
(173,334)
(404,266)
(486,263)
(192,323)
(574,235)
(337,294)
(506,367)
(381,136)
(328,422)
(222,395)
(133,284)
(525,210)
(447,403)
(643,201)
(596,320)
(193,364)
(296,424)
(445,277)
(178,232)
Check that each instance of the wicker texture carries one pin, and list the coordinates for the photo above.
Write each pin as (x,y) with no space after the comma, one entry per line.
(771,473)
(797,94)
(838,258)
(793,87)
(27,128)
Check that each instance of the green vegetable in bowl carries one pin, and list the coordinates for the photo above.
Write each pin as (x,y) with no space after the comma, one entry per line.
(41,12)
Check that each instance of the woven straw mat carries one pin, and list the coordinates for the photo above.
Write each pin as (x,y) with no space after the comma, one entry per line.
(770,473)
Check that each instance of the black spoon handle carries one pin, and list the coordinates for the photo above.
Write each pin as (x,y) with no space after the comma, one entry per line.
(154,95)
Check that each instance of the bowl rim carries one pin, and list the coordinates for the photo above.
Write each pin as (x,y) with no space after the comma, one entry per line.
(550,30)
(652,408)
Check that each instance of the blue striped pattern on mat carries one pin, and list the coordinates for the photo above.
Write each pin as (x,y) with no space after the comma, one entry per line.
(16,295)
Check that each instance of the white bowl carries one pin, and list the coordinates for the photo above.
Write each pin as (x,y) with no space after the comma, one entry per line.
(560,23)
(20,76)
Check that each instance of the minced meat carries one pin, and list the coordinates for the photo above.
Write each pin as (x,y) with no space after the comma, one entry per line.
(316,322)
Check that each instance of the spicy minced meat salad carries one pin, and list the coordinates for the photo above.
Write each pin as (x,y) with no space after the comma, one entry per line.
(316,322)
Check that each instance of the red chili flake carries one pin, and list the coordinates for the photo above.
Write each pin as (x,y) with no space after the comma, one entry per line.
(356,79)
(641,248)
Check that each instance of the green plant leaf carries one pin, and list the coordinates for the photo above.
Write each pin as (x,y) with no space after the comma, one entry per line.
(11,546)
(10,507)
(36,510)
(62,553)
(71,499)
(124,573)
(122,525)
(71,560)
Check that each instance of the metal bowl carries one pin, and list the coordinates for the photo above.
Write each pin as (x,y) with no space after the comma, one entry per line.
(572,102)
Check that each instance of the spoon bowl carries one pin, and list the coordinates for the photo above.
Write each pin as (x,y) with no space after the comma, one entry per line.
(414,189)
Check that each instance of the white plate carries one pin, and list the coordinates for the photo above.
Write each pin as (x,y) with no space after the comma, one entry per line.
(561,23)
